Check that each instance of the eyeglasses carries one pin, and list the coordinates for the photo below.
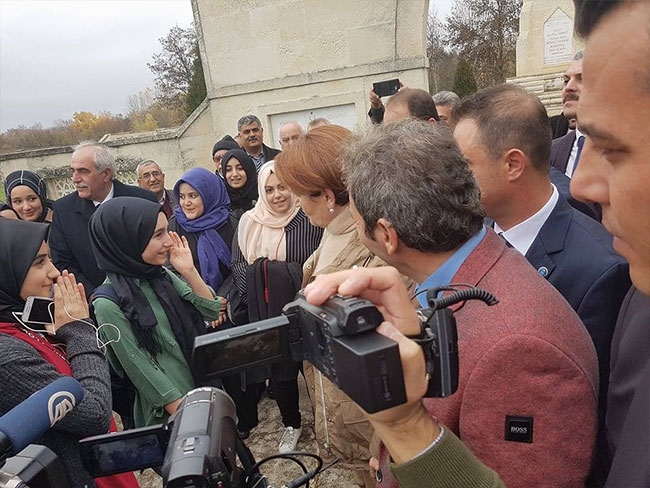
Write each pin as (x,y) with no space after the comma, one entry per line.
(153,174)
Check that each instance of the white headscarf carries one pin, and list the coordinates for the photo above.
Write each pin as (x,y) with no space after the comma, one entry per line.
(261,230)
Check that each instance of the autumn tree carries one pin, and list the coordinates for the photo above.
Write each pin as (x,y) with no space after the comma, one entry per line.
(173,67)
(442,61)
(484,32)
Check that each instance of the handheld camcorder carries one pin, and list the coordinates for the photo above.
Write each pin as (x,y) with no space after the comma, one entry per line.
(339,339)
(196,448)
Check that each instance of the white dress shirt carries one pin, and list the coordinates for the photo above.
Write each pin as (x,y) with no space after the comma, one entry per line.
(571,164)
(522,235)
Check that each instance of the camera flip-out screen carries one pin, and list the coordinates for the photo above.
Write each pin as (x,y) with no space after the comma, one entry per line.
(241,348)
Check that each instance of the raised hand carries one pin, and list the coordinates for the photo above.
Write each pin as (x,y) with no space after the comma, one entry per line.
(180,254)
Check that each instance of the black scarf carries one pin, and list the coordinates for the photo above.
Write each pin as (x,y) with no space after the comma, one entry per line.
(19,244)
(245,196)
(33,181)
(120,230)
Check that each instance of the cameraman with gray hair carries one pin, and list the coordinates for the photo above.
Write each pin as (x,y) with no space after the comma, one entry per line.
(428,223)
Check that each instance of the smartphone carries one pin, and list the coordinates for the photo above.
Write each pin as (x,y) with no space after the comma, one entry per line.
(386,88)
(38,310)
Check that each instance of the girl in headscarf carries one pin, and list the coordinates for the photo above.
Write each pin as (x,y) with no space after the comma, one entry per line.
(240,175)
(27,196)
(202,218)
(158,314)
(31,360)
(279,230)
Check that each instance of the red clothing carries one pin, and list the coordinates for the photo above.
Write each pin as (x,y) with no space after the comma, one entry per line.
(527,356)
(56,357)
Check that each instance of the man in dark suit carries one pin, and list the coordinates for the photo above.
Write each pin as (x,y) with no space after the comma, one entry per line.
(429,225)
(151,177)
(93,173)
(566,150)
(573,252)
(251,134)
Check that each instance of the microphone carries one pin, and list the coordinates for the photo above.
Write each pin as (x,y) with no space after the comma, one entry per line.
(29,420)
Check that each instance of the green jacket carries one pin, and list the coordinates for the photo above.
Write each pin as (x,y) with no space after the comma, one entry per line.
(156,384)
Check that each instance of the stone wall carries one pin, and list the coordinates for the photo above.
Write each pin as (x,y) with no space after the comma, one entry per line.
(270,58)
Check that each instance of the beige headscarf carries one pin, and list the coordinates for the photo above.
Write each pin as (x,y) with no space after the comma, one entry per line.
(261,230)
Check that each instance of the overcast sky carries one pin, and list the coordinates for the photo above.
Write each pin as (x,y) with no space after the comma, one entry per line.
(62,56)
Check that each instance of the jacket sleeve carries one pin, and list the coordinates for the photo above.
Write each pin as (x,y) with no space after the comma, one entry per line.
(239,267)
(599,309)
(62,255)
(448,464)
(210,309)
(524,376)
(24,372)
(148,378)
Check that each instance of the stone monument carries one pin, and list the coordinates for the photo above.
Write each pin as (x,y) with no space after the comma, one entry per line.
(545,46)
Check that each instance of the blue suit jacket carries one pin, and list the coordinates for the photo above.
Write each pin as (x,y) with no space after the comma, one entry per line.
(69,238)
(574,253)
(561,150)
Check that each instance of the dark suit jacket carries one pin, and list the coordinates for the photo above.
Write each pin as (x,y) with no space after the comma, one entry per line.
(269,152)
(562,182)
(574,253)
(559,125)
(628,402)
(69,238)
(561,150)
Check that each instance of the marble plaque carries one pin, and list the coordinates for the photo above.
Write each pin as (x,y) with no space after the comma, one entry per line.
(558,38)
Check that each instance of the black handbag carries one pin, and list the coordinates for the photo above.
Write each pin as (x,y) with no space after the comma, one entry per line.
(237,310)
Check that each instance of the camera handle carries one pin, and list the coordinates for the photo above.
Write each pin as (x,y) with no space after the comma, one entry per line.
(439,337)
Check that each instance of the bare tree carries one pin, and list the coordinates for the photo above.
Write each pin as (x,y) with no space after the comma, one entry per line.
(173,67)
(484,32)
(442,62)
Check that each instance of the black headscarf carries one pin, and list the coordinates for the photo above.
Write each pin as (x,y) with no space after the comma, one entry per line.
(33,181)
(19,245)
(246,196)
(120,230)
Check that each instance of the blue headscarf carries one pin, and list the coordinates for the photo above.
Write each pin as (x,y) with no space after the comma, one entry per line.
(211,247)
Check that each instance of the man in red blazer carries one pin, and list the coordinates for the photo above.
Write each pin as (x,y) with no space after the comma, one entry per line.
(528,369)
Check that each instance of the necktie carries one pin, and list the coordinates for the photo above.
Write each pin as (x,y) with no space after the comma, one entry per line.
(581,142)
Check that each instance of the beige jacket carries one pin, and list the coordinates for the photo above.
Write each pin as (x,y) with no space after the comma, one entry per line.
(342,431)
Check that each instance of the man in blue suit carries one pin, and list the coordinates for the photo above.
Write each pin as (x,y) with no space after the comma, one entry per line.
(93,175)
(505,135)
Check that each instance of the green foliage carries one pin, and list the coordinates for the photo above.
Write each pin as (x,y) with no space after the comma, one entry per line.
(464,81)
(197,90)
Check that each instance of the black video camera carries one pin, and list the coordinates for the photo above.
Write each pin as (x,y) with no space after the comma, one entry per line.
(197,447)
(33,467)
(339,338)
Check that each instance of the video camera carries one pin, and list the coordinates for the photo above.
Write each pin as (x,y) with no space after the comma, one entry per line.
(339,339)
(199,445)
(196,448)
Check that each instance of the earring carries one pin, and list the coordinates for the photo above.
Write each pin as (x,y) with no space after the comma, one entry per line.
(331,210)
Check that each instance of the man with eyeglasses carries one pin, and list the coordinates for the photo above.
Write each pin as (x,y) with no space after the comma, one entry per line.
(152,178)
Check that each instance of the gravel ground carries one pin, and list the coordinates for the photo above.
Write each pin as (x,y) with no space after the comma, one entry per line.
(264,440)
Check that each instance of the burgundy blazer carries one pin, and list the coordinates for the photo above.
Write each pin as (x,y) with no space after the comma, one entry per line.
(528,356)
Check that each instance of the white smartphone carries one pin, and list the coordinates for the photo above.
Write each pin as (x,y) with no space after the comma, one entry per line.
(38,310)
